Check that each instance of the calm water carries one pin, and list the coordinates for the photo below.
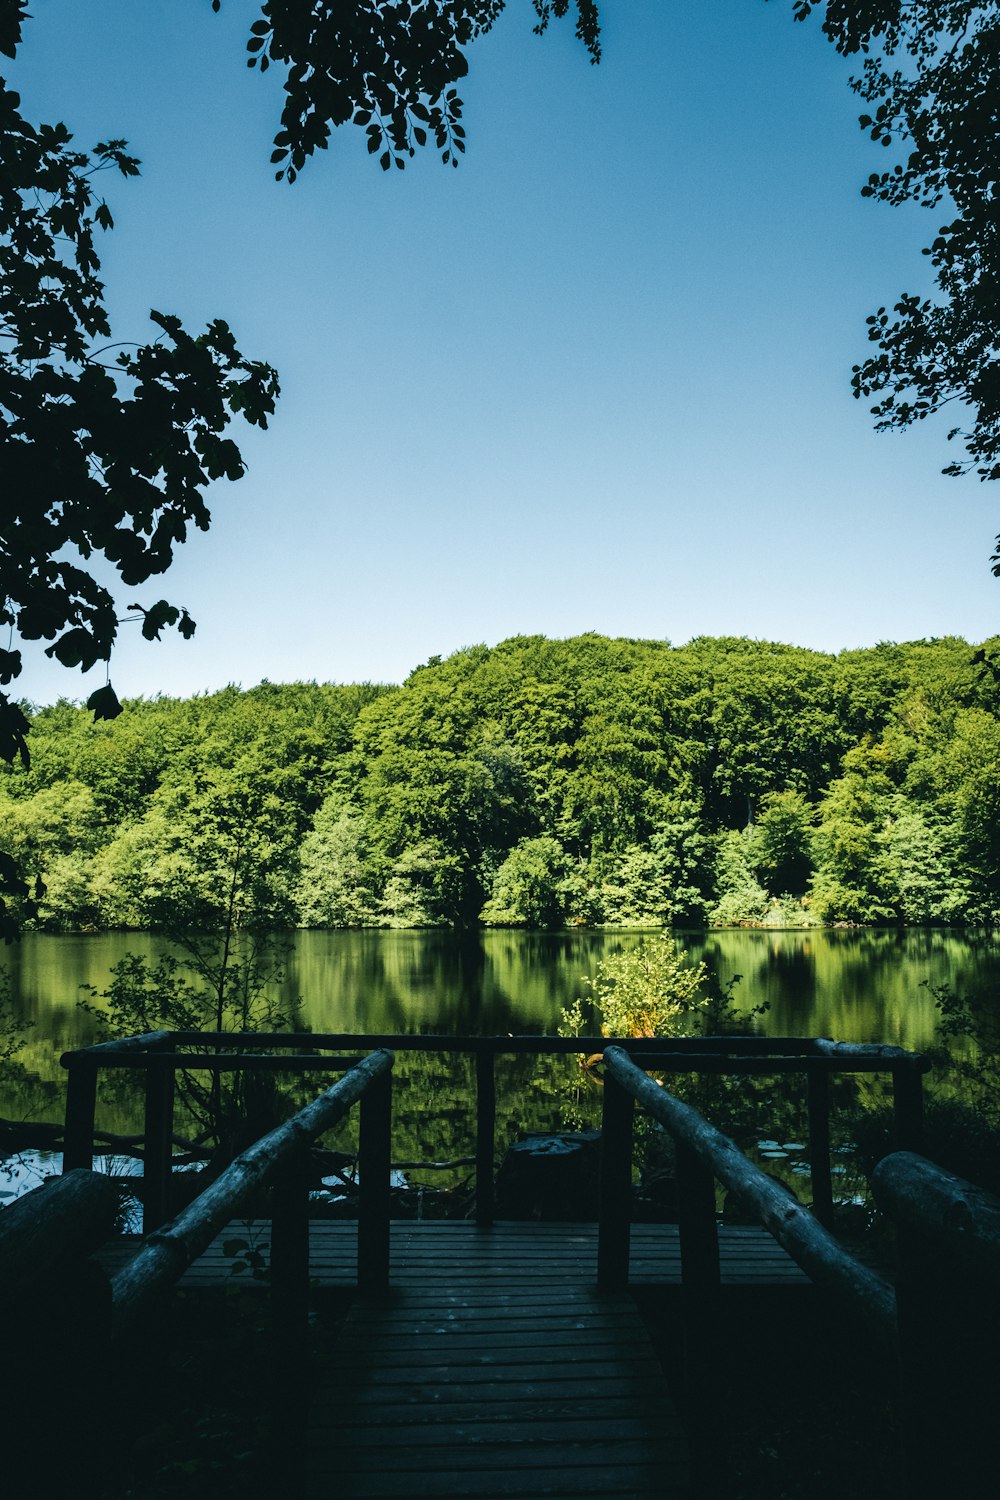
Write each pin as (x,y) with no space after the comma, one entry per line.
(852,985)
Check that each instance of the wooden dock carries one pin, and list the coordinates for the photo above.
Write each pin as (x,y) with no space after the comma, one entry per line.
(496,1368)
(461,1254)
(493,1367)
(525,1391)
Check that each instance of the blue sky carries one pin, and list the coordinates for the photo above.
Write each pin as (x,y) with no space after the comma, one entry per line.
(596,379)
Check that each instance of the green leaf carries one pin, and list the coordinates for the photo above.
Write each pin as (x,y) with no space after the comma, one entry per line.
(104,704)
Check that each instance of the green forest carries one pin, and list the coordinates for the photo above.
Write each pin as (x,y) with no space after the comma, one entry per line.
(535,784)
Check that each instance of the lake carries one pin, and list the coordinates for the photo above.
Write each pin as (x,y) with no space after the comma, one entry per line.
(854,985)
(865,985)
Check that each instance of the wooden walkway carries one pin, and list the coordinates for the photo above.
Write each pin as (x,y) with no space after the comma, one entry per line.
(493,1367)
(530,1391)
(451,1253)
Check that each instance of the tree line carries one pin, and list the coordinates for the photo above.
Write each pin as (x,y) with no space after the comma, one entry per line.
(536,783)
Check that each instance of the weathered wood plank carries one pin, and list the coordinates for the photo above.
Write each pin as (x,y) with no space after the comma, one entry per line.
(513,1451)
(428,1394)
(638,1481)
(505,1388)
(442,1373)
(487,1429)
(505,1329)
(546,1267)
(414,1418)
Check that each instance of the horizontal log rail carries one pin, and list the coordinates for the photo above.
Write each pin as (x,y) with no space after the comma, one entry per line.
(720,1062)
(230,1062)
(65,1219)
(277,1158)
(948,1290)
(960,1217)
(160,1053)
(705,1154)
(850,1054)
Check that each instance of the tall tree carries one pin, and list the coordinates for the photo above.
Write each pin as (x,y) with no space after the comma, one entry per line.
(930,76)
(110,456)
(103,454)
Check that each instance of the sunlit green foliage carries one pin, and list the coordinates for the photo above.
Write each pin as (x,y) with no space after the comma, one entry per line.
(528,890)
(535,784)
(650,991)
(743,901)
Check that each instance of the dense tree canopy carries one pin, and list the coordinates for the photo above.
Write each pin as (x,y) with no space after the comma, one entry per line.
(538,783)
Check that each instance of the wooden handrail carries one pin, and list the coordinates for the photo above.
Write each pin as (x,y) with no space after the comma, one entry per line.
(848,1055)
(816,1057)
(889,1054)
(233,1062)
(957,1215)
(168,1251)
(793,1226)
(782,1062)
(67,1217)
(148,1041)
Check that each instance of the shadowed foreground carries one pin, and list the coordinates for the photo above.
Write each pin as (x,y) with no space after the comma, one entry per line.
(493,1366)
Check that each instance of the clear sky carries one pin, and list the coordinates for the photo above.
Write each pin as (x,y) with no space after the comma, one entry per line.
(596,379)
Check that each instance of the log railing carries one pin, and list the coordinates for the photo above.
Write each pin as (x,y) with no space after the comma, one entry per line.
(948,1291)
(160,1054)
(61,1222)
(279,1159)
(705,1154)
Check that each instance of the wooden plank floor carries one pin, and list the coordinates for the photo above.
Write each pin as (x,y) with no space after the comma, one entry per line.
(493,1367)
(437,1251)
(524,1387)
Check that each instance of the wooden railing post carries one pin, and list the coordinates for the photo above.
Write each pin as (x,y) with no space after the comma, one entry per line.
(374,1167)
(55,1298)
(925,1302)
(948,1301)
(158,1150)
(615,1187)
(700,1311)
(289,1375)
(907,1106)
(81,1104)
(697,1225)
(486,1120)
(818,1084)
(290,1255)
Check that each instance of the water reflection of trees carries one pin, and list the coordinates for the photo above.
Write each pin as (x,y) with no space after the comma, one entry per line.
(858,985)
